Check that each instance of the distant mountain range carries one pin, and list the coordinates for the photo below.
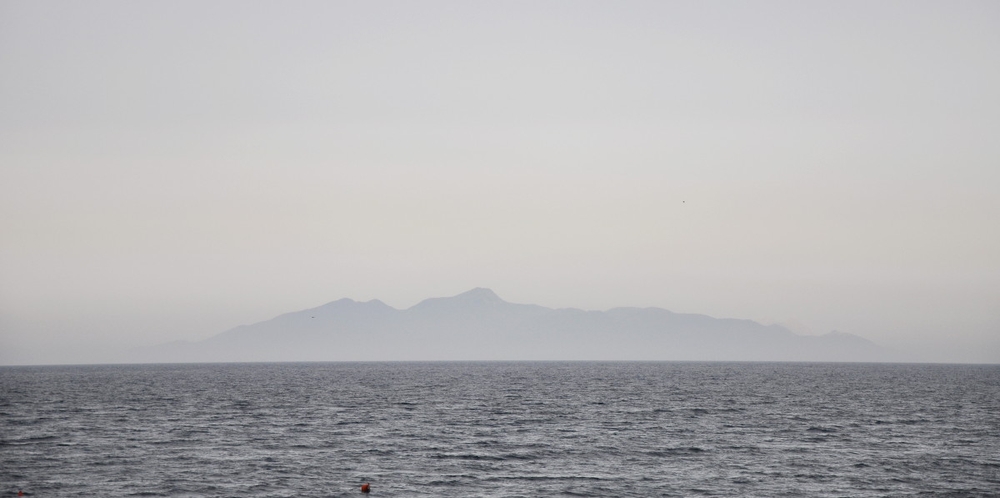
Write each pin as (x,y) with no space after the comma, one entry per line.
(478,325)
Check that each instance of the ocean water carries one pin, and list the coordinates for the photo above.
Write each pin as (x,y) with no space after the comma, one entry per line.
(501,429)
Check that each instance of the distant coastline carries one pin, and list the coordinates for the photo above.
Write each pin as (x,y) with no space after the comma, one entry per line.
(478,325)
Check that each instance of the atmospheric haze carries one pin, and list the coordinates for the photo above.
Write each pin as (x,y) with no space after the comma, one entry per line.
(478,325)
(171,170)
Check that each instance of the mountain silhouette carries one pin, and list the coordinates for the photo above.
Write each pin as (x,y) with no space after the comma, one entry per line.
(479,325)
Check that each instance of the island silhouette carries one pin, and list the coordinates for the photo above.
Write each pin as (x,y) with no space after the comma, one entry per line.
(478,325)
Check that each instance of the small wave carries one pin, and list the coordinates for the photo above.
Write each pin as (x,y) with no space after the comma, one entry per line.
(545,478)
(30,440)
(469,456)
(825,430)
(666,452)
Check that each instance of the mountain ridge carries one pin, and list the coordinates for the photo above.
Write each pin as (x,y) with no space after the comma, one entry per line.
(479,325)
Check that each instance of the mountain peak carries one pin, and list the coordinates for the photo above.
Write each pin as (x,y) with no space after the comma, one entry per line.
(480,294)
(477,298)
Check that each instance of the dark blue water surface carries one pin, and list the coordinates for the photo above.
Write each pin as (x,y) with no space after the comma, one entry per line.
(501,429)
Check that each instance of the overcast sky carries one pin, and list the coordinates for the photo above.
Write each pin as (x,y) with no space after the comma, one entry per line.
(169,170)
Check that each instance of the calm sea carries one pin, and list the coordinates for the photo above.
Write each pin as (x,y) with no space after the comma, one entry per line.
(501,429)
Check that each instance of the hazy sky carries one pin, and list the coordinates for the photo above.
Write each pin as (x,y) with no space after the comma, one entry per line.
(169,170)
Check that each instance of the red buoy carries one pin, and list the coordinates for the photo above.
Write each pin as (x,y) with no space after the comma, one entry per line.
(366,488)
